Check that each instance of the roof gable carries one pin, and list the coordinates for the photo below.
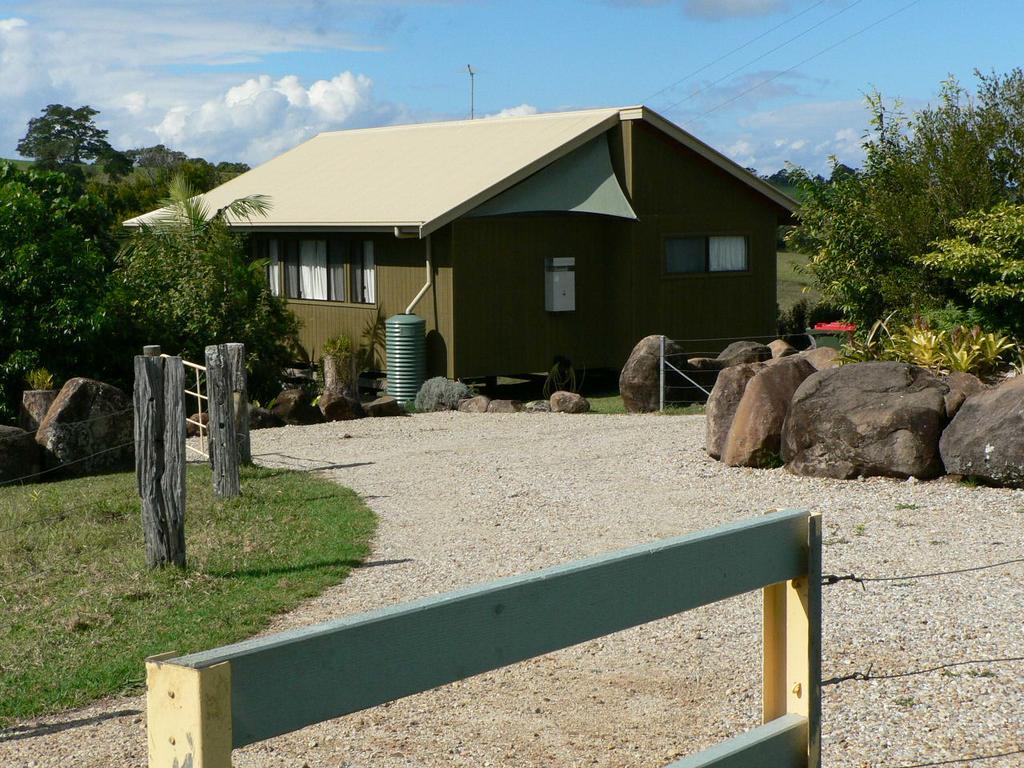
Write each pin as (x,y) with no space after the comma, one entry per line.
(423,176)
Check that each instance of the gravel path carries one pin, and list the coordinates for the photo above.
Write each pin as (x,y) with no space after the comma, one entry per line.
(464,498)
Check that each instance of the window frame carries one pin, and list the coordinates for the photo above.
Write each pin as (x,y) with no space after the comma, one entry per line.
(342,248)
(706,236)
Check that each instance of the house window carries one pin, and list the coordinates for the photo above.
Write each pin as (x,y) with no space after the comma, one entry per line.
(364,287)
(323,270)
(273,268)
(689,255)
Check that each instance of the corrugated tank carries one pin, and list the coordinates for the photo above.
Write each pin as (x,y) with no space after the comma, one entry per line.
(407,356)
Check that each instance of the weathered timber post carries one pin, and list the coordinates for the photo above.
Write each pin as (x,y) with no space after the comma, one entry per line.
(223,442)
(159,401)
(240,388)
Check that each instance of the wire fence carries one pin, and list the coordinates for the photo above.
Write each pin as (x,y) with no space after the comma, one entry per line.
(869,674)
(65,464)
(101,417)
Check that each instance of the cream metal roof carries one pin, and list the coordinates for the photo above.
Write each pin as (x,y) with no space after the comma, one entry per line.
(420,177)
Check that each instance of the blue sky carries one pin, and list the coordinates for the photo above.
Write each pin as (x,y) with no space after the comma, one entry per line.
(234,80)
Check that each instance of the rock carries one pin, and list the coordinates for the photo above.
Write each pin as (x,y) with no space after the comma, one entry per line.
(722,404)
(864,419)
(294,406)
(337,406)
(985,440)
(822,358)
(961,386)
(19,454)
(755,435)
(538,406)
(261,418)
(90,424)
(781,348)
(476,404)
(191,430)
(740,352)
(383,407)
(569,402)
(704,364)
(34,405)
(504,406)
(639,381)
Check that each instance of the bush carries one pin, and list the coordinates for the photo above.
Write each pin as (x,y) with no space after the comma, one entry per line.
(187,282)
(338,349)
(441,394)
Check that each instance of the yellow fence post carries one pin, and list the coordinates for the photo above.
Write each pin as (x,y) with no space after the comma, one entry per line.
(188,714)
(791,665)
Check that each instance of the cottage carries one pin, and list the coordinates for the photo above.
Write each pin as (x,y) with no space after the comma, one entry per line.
(518,239)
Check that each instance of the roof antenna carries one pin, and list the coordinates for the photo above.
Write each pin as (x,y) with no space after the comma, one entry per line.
(469,68)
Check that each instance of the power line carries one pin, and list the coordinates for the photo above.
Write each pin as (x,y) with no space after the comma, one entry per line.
(822,52)
(796,37)
(737,49)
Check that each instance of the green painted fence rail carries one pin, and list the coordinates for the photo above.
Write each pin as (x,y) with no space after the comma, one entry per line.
(202,705)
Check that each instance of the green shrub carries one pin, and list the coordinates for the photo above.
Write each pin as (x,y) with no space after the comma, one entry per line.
(39,378)
(339,350)
(441,394)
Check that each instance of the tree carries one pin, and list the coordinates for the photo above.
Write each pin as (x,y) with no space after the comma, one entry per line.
(982,265)
(56,254)
(866,230)
(63,136)
(185,280)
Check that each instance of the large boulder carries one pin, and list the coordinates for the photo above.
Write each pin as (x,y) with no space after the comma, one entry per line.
(384,406)
(88,429)
(755,435)
(568,402)
(336,405)
(504,406)
(639,381)
(294,406)
(740,352)
(877,418)
(781,348)
(261,418)
(19,455)
(822,358)
(961,386)
(34,405)
(476,404)
(986,437)
(722,404)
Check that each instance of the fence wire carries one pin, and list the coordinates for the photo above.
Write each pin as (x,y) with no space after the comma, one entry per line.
(65,464)
(101,417)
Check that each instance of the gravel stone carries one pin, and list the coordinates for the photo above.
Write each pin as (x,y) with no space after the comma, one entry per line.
(466,500)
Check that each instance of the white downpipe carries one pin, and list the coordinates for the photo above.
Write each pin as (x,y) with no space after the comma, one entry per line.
(426,286)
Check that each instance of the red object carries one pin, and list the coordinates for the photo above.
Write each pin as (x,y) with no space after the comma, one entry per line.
(835,326)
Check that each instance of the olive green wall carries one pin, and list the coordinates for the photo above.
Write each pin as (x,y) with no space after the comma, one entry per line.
(400,273)
(501,325)
(675,192)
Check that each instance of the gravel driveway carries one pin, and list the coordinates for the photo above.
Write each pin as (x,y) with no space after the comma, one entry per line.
(464,498)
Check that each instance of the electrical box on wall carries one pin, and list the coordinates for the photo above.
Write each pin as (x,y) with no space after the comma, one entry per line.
(560,284)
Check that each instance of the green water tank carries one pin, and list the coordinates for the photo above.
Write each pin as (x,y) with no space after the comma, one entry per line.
(407,355)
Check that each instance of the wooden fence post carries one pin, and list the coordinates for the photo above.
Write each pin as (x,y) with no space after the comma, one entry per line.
(792,646)
(159,401)
(223,442)
(240,386)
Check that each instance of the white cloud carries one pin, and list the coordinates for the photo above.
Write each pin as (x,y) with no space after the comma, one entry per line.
(518,111)
(728,9)
(261,117)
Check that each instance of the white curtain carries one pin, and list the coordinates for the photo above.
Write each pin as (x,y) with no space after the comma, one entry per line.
(313,269)
(369,281)
(727,254)
(274,269)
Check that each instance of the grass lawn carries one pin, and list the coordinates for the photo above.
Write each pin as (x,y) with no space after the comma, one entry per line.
(791,282)
(81,611)
(612,404)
